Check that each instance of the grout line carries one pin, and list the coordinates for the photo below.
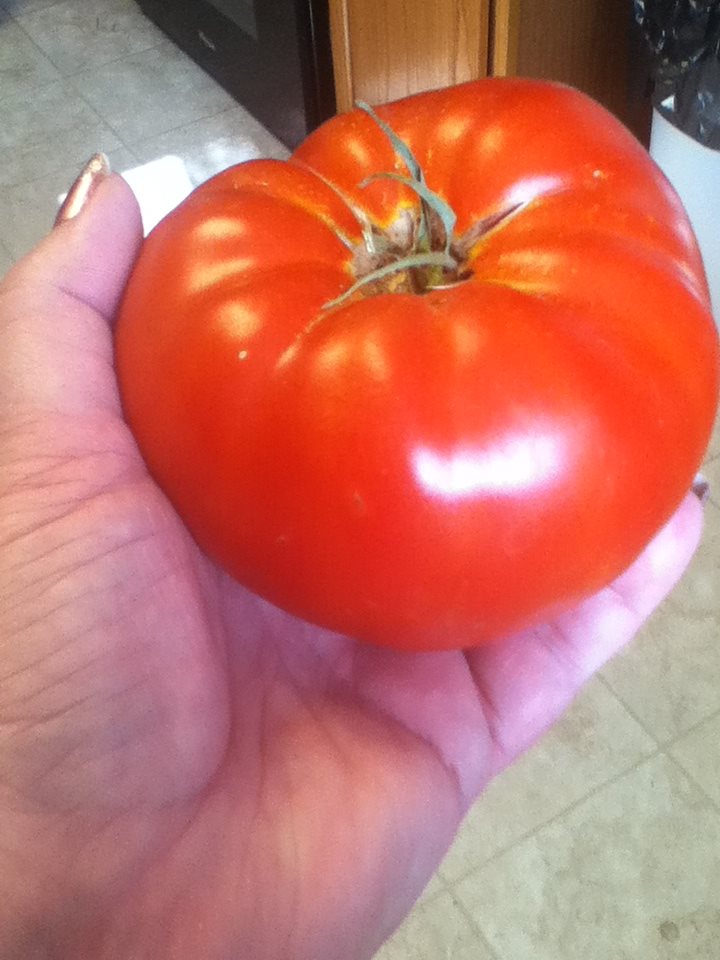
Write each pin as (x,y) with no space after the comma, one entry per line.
(615,778)
(686,773)
(692,617)
(132,144)
(163,40)
(663,743)
(31,39)
(676,738)
(476,927)
(103,121)
(181,126)
(110,63)
(626,706)
(152,46)
(36,177)
(129,143)
(16,16)
(33,88)
(209,116)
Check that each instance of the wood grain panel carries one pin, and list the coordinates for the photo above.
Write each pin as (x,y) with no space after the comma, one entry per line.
(504,24)
(385,49)
(585,43)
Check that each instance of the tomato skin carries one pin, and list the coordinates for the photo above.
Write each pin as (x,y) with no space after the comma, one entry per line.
(439,470)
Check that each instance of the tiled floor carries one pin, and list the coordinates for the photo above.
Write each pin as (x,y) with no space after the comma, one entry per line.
(604,842)
(84,75)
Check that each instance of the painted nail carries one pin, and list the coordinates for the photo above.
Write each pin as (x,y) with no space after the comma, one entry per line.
(701,488)
(93,173)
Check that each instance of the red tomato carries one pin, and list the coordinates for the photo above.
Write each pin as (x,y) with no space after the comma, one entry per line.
(443,457)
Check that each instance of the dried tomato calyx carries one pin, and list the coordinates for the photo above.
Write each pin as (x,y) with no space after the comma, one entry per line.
(419,251)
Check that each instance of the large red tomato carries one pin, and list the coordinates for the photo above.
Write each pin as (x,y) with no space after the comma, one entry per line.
(456,449)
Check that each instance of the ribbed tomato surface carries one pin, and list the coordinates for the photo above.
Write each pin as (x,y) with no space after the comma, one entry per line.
(427,466)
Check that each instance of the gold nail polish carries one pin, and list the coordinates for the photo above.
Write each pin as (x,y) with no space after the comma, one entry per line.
(94,172)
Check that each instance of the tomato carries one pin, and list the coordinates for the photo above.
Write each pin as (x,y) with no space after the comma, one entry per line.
(448,452)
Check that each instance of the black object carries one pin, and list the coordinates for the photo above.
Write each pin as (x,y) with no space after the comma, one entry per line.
(684,41)
(273,56)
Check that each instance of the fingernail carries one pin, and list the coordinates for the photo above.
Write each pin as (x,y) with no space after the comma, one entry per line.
(701,488)
(93,173)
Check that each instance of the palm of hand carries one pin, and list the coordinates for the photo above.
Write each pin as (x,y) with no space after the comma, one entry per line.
(187,771)
(217,768)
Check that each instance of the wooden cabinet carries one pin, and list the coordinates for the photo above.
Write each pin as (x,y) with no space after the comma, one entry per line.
(385,49)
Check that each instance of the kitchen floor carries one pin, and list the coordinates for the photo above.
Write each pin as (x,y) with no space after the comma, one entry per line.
(604,841)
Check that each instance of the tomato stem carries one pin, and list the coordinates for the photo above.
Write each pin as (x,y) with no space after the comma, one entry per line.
(432,206)
(421,254)
(435,202)
(399,145)
(364,221)
(438,261)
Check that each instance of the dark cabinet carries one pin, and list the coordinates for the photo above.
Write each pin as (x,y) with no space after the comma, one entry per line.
(273,56)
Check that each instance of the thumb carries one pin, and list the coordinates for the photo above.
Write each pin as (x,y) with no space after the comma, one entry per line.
(56,305)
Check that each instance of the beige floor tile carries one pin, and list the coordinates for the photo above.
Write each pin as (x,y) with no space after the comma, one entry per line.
(714,446)
(633,873)
(6,261)
(212,144)
(699,753)
(670,676)
(711,467)
(595,741)
(434,888)
(698,593)
(151,92)
(711,472)
(437,930)
(18,7)
(49,131)
(27,210)
(77,35)
(23,68)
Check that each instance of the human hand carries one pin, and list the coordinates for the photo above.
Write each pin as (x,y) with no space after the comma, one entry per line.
(186,771)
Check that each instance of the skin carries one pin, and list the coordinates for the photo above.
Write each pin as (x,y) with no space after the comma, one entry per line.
(186,771)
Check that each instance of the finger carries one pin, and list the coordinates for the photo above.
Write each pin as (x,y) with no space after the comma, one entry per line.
(528,681)
(89,257)
(55,306)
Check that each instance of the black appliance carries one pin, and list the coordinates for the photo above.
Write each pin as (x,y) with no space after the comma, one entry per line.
(272,56)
